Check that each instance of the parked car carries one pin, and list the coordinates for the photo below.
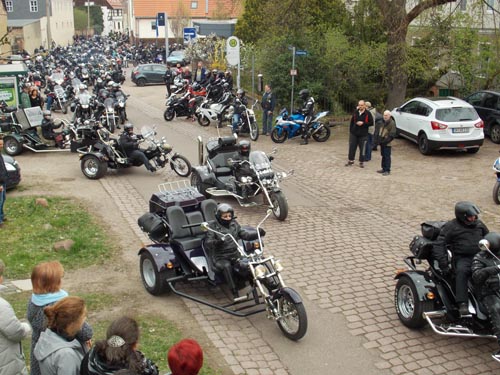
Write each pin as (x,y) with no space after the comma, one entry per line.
(440,123)
(177,57)
(144,74)
(487,105)
(13,171)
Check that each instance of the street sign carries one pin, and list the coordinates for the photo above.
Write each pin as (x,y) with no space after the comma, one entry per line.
(293,72)
(160,19)
(233,50)
(189,33)
(300,52)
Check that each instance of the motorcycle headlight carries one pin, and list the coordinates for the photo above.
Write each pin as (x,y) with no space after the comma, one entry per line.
(166,147)
(245,180)
(260,271)
(278,266)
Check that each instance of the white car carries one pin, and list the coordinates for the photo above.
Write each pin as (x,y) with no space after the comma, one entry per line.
(439,124)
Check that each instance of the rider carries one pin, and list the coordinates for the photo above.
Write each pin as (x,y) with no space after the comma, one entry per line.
(48,126)
(225,101)
(485,275)
(308,111)
(461,235)
(129,144)
(239,102)
(224,251)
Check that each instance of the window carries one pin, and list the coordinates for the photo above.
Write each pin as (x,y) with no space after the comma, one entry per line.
(411,107)
(475,99)
(194,5)
(9,5)
(489,6)
(33,6)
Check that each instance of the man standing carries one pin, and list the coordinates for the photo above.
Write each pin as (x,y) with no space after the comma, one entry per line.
(168,78)
(25,97)
(358,133)
(200,73)
(268,103)
(3,184)
(385,136)
(371,131)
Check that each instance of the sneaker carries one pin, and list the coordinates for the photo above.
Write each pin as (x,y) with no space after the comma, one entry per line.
(386,173)
(349,163)
(361,165)
(380,171)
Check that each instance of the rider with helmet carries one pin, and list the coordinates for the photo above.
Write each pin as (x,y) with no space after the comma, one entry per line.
(239,102)
(128,142)
(224,251)
(308,111)
(48,126)
(485,276)
(225,100)
(461,236)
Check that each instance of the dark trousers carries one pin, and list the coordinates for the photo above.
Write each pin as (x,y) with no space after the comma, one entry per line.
(267,122)
(3,196)
(385,151)
(492,305)
(368,148)
(226,266)
(357,142)
(463,273)
(139,155)
(169,90)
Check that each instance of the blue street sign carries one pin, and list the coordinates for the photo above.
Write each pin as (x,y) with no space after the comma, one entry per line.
(160,19)
(189,33)
(300,53)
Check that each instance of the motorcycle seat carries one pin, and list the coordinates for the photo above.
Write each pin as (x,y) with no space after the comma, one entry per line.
(182,236)
(219,163)
(9,109)
(208,207)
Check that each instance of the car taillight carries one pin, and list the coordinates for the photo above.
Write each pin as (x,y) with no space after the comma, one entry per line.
(479,125)
(135,73)
(438,126)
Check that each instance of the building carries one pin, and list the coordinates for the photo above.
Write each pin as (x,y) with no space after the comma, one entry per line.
(5,49)
(180,14)
(114,12)
(35,23)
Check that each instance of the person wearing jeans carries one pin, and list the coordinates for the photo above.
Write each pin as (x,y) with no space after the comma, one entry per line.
(3,184)
(358,133)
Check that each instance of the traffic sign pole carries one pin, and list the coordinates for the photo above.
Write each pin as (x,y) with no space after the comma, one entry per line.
(293,79)
(166,37)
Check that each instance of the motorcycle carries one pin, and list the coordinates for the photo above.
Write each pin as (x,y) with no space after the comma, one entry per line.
(179,106)
(425,296)
(108,117)
(106,153)
(496,188)
(82,107)
(224,173)
(120,103)
(248,122)
(176,224)
(290,126)
(208,111)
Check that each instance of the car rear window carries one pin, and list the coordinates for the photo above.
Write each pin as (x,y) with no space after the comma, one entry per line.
(456,114)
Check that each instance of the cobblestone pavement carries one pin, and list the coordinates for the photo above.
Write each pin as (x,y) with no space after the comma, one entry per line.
(343,247)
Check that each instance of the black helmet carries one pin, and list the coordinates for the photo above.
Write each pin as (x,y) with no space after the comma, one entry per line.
(463,210)
(240,92)
(221,209)
(225,86)
(128,127)
(494,239)
(244,147)
(304,94)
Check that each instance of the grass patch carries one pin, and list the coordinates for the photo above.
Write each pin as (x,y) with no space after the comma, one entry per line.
(157,334)
(29,235)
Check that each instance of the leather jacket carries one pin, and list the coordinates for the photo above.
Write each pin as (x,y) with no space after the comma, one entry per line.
(486,274)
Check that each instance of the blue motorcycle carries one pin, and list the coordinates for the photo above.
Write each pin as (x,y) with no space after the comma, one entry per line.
(290,126)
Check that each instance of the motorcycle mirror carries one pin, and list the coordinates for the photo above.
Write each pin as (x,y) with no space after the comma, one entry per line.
(484,244)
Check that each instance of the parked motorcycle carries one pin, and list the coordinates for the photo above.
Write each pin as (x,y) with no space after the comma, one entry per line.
(179,106)
(496,188)
(176,222)
(224,173)
(290,126)
(108,117)
(209,111)
(107,153)
(120,106)
(424,296)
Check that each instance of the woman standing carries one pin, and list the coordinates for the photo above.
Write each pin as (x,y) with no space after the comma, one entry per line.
(57,351)
(35,98)
(46,279)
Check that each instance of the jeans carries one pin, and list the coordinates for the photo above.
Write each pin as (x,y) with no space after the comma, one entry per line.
(385,151)
(357,142)
(50,99)
(368,148)
(3,195)
(140,156)
(267,122)
(236,120)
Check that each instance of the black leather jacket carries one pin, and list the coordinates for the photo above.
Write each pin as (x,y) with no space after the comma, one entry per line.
(226,249)
(128,142)
(486,274)
(308,107)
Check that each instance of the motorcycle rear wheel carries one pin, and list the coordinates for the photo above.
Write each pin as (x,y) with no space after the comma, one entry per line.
(293,321)
(276,138)
(203,121)
(322,135)
(181,165)
(496,193)
(408,306)
(93,168)
(280,205)
(154,281)
(169,114)
(12,146)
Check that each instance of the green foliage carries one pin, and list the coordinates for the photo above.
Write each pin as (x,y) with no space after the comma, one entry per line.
(33,230)
(80,19)
(95,15)
(366,23)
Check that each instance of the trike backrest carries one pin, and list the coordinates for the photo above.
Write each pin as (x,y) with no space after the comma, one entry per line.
(220,159)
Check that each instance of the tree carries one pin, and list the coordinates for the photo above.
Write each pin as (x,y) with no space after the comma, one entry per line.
(179,20)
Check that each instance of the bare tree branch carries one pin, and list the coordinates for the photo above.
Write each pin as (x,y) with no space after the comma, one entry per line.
(424,5)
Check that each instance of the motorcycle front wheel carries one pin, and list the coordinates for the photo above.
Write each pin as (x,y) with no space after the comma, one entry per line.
(181,165)
(203,121)
(293,318)
(496,193)
(254,131)
(322,134)
(280,205)
(277,138)
(64,108)
(169,114)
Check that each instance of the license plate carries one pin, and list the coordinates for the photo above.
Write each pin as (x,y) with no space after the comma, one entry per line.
(460,130)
